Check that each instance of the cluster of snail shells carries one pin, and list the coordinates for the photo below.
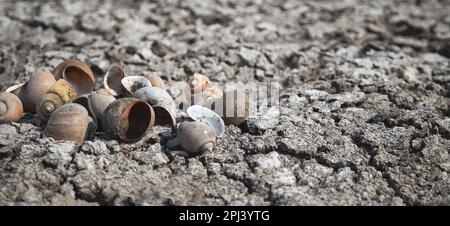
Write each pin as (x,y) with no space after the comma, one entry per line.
(143,102)
(50,96)
(207,94)
(126,109)
(96,103)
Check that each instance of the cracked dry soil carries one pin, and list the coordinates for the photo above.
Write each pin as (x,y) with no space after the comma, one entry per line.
(364,102)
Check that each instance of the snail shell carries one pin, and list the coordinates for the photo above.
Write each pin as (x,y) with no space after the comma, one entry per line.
(11,108)
(30,92)
(128,119)
(78,74)
(162,103)
(132,83)
(70,122)
(112,80)
(196,137)
(59,94)
(156,81)
(203,91)
(202,114)
(198,83)
(96,102)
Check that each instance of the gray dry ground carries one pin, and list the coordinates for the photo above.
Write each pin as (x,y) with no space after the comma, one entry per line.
(365,104)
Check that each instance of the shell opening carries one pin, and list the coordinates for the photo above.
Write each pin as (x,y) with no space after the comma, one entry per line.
(139,119)
(81,81)
(136,85)
(163,117)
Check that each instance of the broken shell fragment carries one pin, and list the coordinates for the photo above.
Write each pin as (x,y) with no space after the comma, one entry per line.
(78,74)
(202,114)
(96,102)
(15,89)
(112,80)
(132,83)
(11,108)
(128,119)
(59,94)
(162,103)
(156,81)
(196,137)
(30,92)
(70,122)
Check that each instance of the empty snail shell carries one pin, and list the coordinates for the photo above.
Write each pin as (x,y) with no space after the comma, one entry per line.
(78,74)
(11,108)
(112,80)
(196,137)
(203,91)
(128,119)
(156,81)
(236,106)
(59,94)
(96,102)
(162,103)
(70,122)
(132,83)
(198,83)
(30,92)
(202,114)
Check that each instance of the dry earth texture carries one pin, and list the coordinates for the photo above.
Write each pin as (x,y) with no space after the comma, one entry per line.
(364,102)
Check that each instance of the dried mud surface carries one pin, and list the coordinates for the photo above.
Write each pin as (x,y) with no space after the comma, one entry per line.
(365,102)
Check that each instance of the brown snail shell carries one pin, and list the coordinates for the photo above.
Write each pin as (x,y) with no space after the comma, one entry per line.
(202,114)
(203,91)
(128,119)
(162,103)
(198,83)
(196,137)
(156,81)
(78,74)
(132,83)
(30,92)
(70,122)
(59,94)
(112,80)
(11,108)
(96,102)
